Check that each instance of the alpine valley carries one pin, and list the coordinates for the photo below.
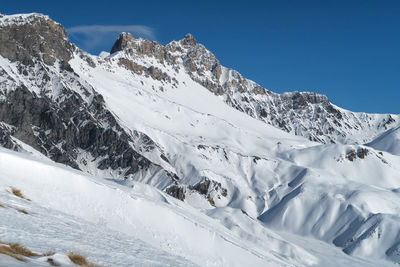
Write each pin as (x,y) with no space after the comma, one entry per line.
(157,155)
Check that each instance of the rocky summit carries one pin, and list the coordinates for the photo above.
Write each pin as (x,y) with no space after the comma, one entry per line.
(162,149)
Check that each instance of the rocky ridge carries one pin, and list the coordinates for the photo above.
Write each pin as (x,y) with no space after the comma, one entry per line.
(301,113)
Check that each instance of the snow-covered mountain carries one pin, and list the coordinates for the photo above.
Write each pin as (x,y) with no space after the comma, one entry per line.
(301,113)
(389,141)
(180,155)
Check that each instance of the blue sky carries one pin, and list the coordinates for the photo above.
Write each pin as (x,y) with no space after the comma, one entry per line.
(347,50)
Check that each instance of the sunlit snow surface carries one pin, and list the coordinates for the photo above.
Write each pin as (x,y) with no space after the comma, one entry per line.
(69,211)
(388,141)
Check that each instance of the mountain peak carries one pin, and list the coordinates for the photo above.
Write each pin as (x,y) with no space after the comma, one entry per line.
(188,40)
(25,37)
(20,19)
(122,42)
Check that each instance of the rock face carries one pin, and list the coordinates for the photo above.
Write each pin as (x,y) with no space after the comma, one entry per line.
(60,129)
(210,189)
(6,140)
(49,108)
(122,42)
(40,39)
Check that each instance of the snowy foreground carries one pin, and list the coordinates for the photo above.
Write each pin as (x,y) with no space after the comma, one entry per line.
(116,225)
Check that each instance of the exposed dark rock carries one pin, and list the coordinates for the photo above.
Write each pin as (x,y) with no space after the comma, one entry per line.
(352,155)
(174,177)
(360,153)
(263,113)
(216,70)
(210,189)
(135,47)
(6,138)
(211,200)
(122,42)
(60,129)
(87,58)
(386,122)
(258,90)
(40,39)
(244,212)
(189,40)
(176,191)
(151,71)
(66,66)
(164,158)
(203,186)
(255,159)
(201,147)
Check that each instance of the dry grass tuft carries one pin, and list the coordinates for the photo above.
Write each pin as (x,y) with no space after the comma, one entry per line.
(2,206)
(22,211)
(6,250)
(80,260)
(18,193)
(18,249)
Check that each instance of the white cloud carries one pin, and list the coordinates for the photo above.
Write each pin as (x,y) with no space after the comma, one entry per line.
(92,36)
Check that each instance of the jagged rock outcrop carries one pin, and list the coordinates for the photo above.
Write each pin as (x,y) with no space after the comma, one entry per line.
(6,140)
(60,129)
(122,42)
(48,107)
(24,38)
(210,189)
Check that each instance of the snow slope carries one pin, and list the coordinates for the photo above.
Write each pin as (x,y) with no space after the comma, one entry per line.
(65,202)
(388,141)
(350,202)
(268,174)
(69,211)
(45,229)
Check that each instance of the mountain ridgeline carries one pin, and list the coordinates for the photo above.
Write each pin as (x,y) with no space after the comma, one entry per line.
(55,111)
(172,117)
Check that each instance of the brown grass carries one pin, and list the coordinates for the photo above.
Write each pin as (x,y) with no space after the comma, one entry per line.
(80,260)
(22,211)
(18,193)
(2,206)
(18,249)
(6,250)
(15,250)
